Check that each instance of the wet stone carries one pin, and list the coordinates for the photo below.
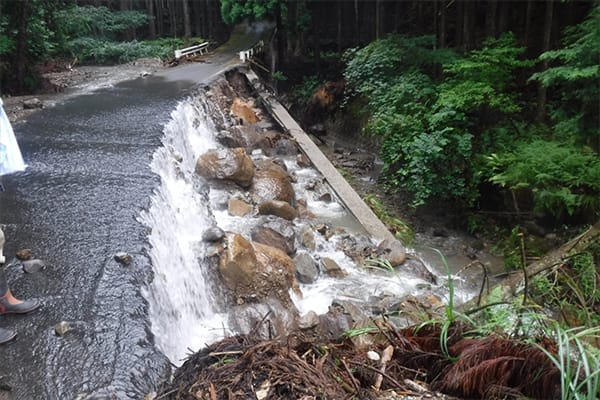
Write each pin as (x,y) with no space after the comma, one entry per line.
(307,270)
(332,268)
(308,320)
(238,208)
(213,234)
(24,254)
(123,258)
(33,266)
(278,208)
(62,328)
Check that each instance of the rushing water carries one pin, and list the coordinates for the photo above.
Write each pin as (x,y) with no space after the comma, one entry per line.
(182,300)
(186,310)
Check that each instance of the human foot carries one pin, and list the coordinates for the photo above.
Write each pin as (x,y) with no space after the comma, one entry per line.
(9,304)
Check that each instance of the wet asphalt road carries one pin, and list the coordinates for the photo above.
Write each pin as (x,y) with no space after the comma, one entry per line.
(76,206)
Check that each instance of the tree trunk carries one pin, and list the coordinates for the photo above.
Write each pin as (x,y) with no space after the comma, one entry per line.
(542,91)
(356,22)
(21,49)
(502,10)
(377,18)
(340,21)
(187,24)
(442,30)
(468,24)
(490,18)
(459,38)
(151,19)
(527,35)
(160,17)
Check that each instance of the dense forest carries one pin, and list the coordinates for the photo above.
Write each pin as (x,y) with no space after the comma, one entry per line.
(489,106)
(478,102)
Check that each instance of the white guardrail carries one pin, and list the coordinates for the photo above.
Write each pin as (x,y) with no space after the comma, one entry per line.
(199,48)
(246,55)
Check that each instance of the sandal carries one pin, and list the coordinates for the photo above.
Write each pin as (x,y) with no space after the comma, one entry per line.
(21,308)
(6,335)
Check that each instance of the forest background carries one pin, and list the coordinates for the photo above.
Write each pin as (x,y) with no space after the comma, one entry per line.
(490,106)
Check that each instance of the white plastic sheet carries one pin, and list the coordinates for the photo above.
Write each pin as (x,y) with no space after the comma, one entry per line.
(10,154)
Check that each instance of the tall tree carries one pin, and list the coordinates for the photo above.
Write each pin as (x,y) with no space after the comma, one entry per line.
(187,24)
(542,91)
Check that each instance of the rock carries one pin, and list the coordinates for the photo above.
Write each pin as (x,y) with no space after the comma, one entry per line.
(62,328)
(308,320)
(123,258)
(285,147)
(384,304)
(278,208)
(373,355)
(213,234)
(307,270)
(238,208)
(244,110)
(267,319)
(333,324)
(276,232)
(31,104)
(303,211)
(33,266)
(254,270)
(354,310)
(271,182)
(24,254)
(303,161)
(326,198)
(332,268)
(393,251)
(307,238)
(230,164)
(231,138)
(417,268)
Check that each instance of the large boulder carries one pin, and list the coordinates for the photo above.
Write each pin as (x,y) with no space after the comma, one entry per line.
(307,270)
(264,320)
(244,111)
(278,208)
(231,164)
(276,232)
(392,251)
(271,182)
(254,271)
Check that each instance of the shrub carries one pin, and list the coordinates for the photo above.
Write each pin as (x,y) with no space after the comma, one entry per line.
(563,178)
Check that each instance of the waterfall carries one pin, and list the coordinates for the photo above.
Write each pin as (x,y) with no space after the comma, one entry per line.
(182,300)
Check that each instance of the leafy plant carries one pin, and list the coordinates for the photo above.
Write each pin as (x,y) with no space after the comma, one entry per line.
(402,231)
(563,178)
(578,362)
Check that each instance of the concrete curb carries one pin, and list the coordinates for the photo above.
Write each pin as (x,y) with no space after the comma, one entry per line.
(363,213)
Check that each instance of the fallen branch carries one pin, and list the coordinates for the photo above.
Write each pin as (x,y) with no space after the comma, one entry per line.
(514,284)
(385,358)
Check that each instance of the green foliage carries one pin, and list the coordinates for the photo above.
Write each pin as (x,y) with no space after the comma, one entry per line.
(234,10)
(91,34)
(483,78)
(574,75)
(401,230)
(99,22)
(302,93)
(564,178)
(432,130)
(577,361)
